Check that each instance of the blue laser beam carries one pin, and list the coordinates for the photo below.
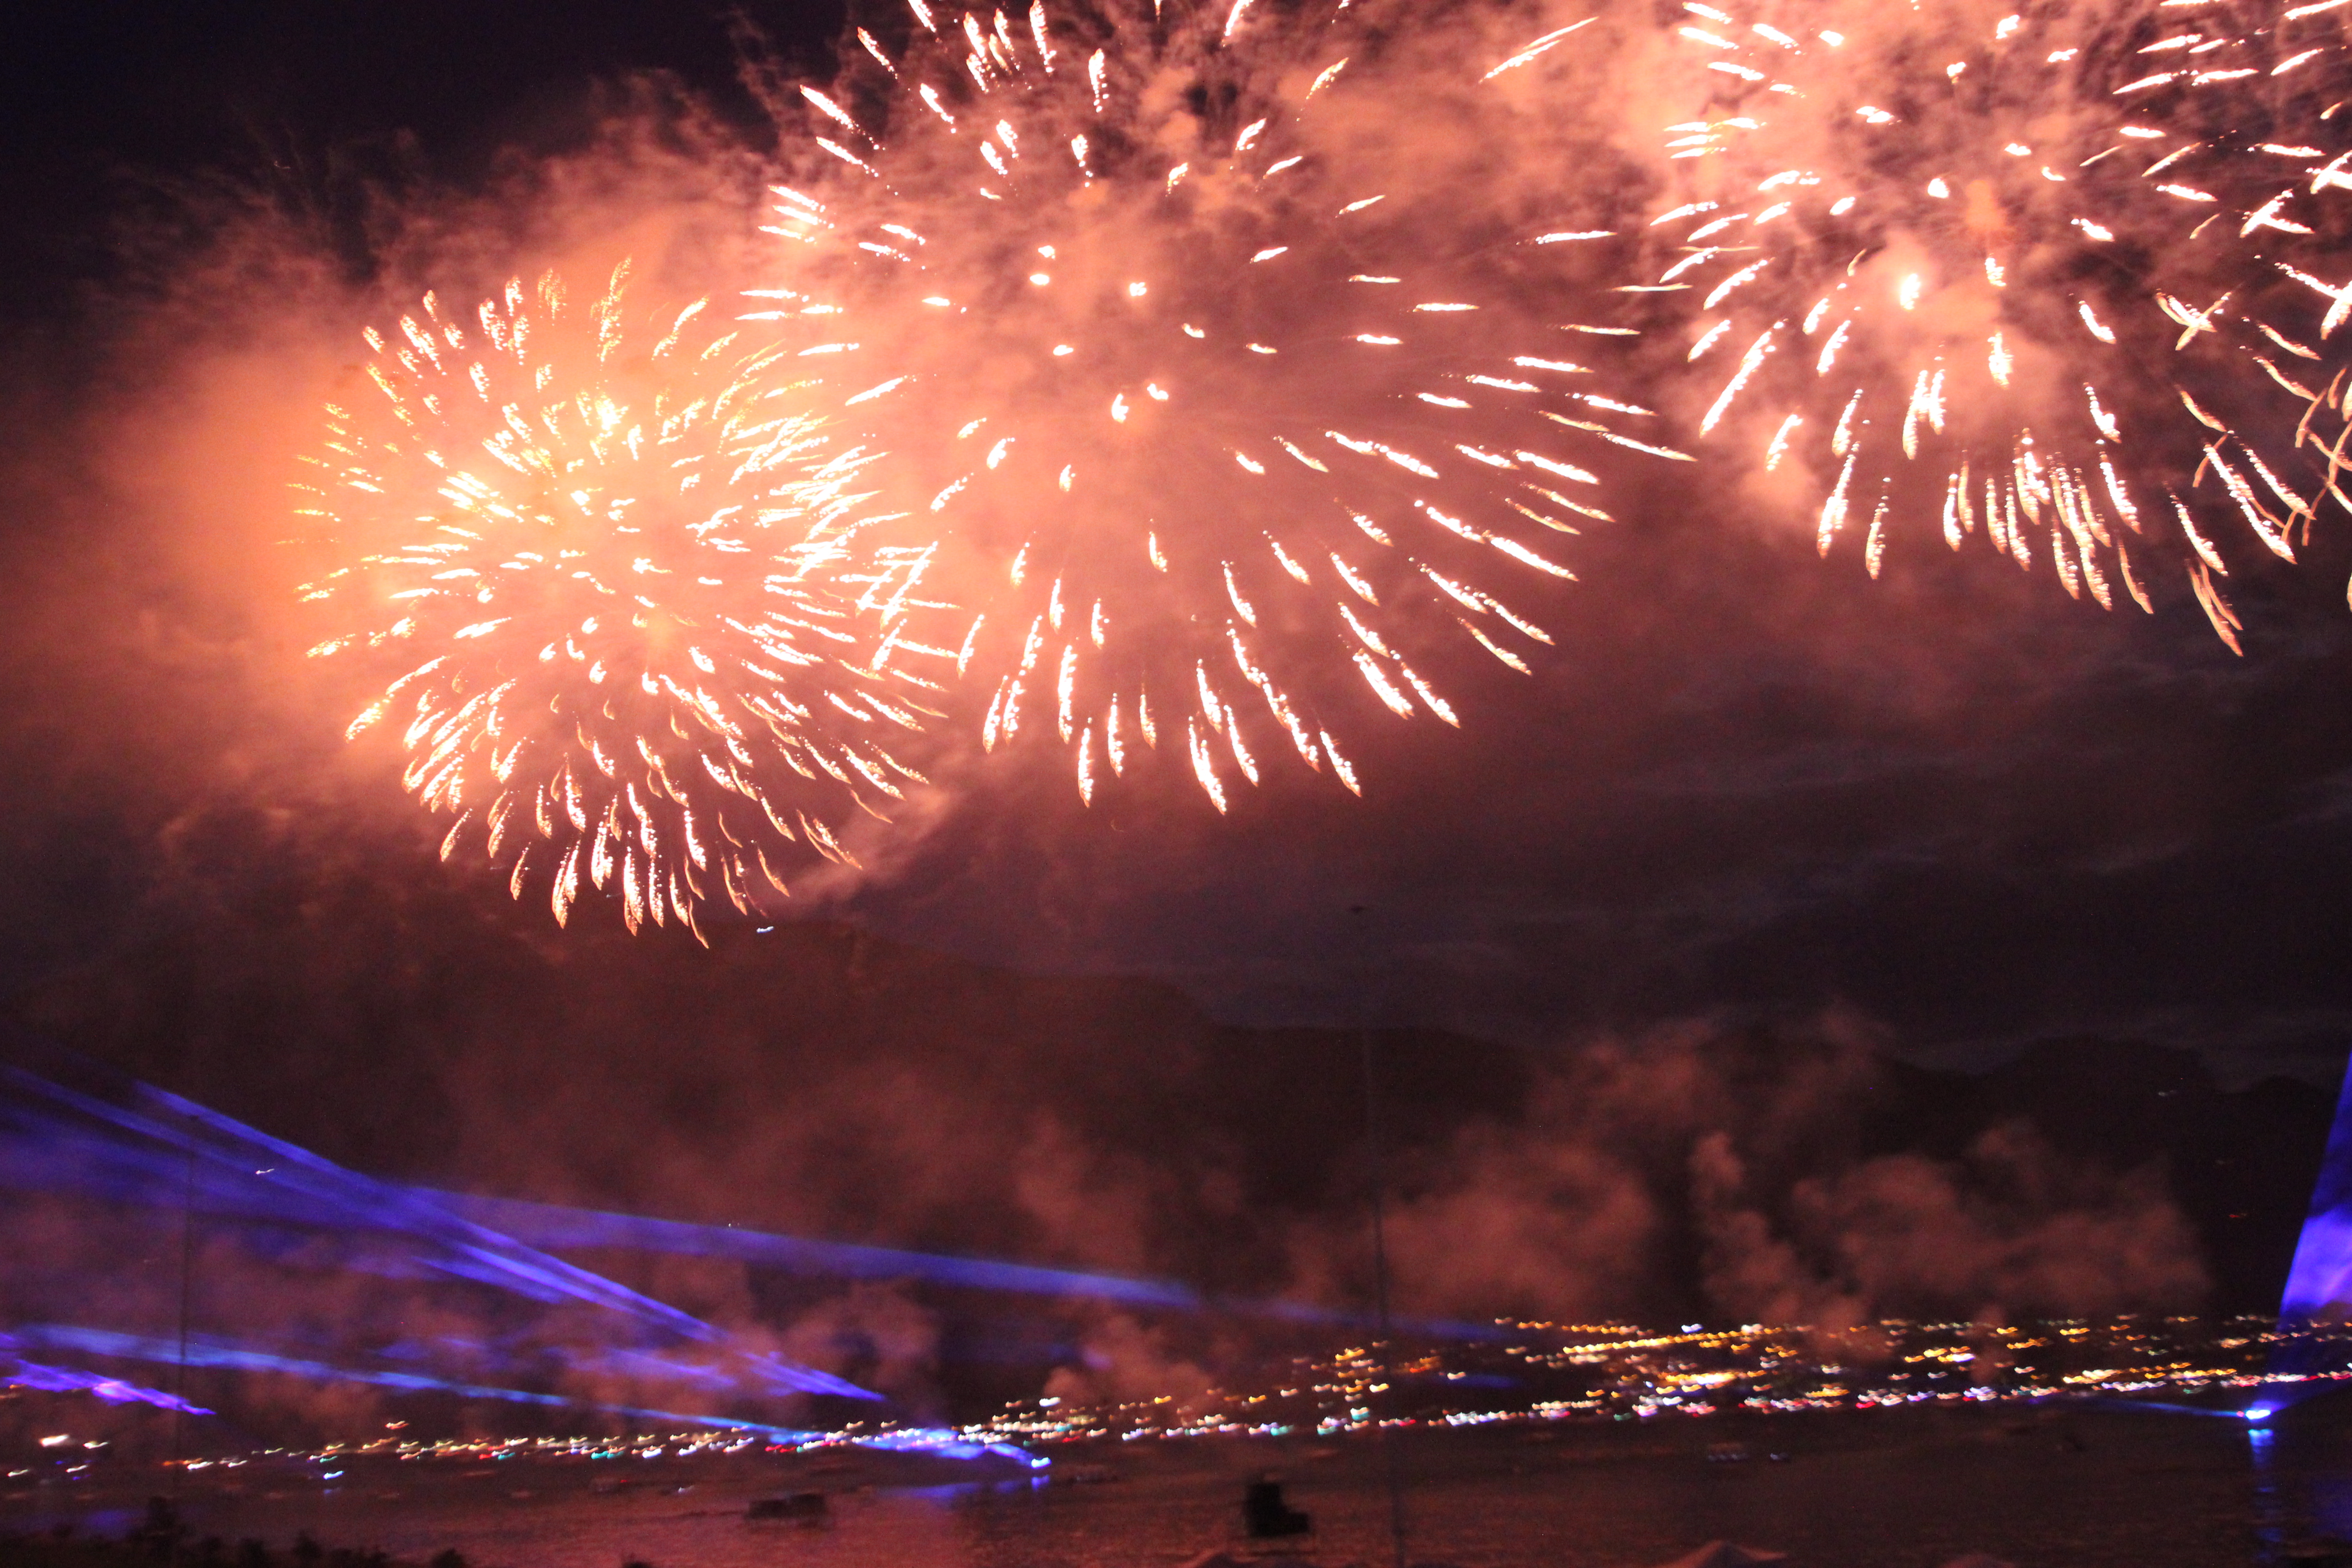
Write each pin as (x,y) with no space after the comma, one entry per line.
(71,1158)
(459,1247)
(2319,1281)
(23,1373)
(557,1228)
(205,1351)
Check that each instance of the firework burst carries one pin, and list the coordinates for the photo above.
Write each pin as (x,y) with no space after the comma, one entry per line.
(618,564)
(1235,442)
(1957,267)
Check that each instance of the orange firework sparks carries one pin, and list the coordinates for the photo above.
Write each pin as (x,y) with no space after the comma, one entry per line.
(619,565)
(1968,269)
(1231,438)
(2259,95)
(1242,408)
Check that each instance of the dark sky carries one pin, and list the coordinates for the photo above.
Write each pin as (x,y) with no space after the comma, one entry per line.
(1969,810)
(108,97)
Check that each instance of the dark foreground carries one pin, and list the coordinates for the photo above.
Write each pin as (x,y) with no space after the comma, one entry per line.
(1904,1488)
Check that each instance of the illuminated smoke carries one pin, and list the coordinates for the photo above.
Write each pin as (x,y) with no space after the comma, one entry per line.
(1951,268)
(1233,441)
(615,560)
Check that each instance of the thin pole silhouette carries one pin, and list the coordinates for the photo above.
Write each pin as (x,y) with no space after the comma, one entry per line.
(1384,1359)
(180,1374)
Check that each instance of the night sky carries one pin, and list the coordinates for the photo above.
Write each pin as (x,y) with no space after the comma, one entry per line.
(1952,813)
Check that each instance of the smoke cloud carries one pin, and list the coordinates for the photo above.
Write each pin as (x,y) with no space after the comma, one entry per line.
(1691,1156)
(2011,1231)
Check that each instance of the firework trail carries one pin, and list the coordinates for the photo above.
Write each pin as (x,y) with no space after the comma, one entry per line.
(1959,265)
(1233,441)
(618,562)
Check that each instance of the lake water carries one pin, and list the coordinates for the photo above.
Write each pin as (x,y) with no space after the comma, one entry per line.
(1904,1488)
